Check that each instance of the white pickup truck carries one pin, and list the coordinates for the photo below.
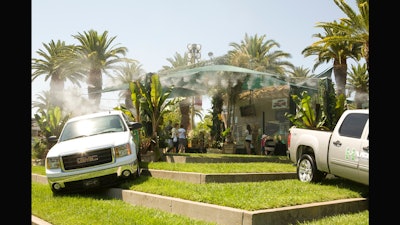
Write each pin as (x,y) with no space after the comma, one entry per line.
(93,150)
(343,152)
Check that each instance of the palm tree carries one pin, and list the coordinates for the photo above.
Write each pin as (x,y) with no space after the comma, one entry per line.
(57,64)
(125,74)
(98,55)
(359,82)
(338,52)
(177,61)
(355,27)
(43,101)
(258,54)
(347,39)
(299,71)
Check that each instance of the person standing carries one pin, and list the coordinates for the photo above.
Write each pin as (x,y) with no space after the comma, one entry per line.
(263,139)
(247,140)
(174,136)
(168,134)
(182,139)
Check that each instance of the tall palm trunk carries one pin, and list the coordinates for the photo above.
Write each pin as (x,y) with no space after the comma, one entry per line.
(56,90)
(184,107)
(95,84)
(340,71)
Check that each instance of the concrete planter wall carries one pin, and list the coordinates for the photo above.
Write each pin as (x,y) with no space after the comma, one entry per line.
(229,148)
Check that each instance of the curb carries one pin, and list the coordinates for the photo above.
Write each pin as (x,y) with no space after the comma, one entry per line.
(201,178)
(228,216)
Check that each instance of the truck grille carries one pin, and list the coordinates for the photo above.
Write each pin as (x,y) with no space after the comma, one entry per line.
(87,159)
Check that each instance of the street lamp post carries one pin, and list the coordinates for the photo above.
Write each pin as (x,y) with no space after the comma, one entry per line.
(194,53)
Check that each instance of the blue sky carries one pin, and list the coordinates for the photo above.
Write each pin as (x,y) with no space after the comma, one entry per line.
(154,30)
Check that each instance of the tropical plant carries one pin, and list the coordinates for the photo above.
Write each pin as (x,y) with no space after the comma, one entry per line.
(202,131)
(39,148)
(51,123)
(332,105)
(308,113)
(134,88)
(97,55)
(216,129)
(320,111)
(154,104)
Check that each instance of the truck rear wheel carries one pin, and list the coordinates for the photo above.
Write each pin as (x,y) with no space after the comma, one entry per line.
(307,170)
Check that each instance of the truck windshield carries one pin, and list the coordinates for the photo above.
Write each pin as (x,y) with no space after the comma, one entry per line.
(92,126)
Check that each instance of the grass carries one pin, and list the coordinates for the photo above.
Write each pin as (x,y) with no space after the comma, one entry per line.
(245,195)
(80,209)
(361,218)
(38,170)
(83,209)
(209,168)
(251,195)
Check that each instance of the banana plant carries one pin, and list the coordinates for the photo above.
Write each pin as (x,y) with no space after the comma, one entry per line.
(154,102)
(307,116)
(51,122)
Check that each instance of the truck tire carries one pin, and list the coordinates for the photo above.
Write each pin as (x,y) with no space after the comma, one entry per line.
(307,170)
(137,172)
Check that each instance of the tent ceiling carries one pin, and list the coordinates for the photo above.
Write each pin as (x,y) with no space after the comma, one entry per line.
(200,80)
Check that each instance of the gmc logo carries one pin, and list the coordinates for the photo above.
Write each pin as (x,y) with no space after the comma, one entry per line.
(85,159)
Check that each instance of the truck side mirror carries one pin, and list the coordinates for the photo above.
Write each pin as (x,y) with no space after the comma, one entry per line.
(134,125)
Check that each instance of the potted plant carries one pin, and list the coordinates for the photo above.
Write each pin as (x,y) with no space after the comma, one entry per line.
(229,145)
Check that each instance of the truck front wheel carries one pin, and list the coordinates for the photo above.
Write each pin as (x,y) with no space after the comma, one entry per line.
(307,170)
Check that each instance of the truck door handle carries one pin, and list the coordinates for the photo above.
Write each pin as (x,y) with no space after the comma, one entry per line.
(366,149)
(337,143)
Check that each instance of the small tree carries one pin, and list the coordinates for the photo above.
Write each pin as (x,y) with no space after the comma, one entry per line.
(306,116)
(50,123)
(154,102)
(313,115)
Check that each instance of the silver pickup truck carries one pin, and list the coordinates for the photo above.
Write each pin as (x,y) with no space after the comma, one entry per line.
(343,152)
(93,150)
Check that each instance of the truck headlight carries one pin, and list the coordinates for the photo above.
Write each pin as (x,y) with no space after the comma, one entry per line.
(53,163)
(122,150)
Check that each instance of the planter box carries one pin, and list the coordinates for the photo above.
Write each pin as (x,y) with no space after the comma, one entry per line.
(148,157)
(214,150)
(229,148)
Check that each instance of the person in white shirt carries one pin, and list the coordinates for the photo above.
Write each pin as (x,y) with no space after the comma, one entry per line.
(182,139)
(248,139)
(174,136)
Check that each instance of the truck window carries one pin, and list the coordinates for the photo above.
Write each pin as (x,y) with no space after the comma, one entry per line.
(353,125)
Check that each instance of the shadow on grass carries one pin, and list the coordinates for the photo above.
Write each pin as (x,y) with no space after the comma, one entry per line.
(362,189)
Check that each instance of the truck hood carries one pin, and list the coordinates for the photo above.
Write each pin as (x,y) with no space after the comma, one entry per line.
(87,143)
